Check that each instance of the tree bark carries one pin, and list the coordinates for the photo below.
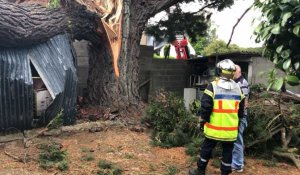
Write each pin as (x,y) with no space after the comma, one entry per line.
(27,24)
(122,92)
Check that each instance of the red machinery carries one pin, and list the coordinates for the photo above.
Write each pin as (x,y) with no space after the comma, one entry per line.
(181,48)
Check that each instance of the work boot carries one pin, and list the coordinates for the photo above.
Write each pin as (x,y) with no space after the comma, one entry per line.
(196,172)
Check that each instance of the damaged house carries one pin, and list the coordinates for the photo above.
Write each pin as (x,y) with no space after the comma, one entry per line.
(37,83)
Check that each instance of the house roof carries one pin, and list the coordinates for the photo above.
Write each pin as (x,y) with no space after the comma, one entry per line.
(235,54)
(239,54)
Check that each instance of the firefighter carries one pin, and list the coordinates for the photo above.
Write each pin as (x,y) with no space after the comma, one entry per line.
(221,106)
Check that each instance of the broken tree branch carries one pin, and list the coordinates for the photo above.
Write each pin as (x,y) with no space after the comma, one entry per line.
(13,156)
(290,156)
(238,21)
(264,139)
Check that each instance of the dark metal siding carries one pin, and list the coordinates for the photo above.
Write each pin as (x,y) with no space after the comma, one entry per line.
(54,61)
(16,91)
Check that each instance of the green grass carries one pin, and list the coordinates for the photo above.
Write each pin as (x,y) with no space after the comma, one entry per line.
(88,157)
(108,168)
(129,156)
(172,170)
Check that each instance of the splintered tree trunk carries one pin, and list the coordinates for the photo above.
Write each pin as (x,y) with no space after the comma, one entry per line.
(113,74)
(122,91)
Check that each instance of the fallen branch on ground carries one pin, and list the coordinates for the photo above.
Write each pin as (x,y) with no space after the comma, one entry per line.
(289,156)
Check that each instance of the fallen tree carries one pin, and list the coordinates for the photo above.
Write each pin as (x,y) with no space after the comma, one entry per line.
(113,27)
(274,124)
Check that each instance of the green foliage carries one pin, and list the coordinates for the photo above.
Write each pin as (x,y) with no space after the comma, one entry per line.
(195,106)
(216,163)
(88,157)
(63,166)
(218,46)
(104,164)
(53,4)
(192,149)
(57,121)
(294,117)
(172,170)
(155,55)
(275,83)
(280,30)
(129,156)
(266,117)
(201,42)
(172,124)
(52,156)
(178,21)
(108,168)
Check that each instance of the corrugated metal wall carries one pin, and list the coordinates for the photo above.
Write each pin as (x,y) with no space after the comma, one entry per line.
(56,65)
(16,91)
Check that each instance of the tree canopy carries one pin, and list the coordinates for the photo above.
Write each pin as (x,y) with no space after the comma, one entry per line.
(191,23)
(280,31)
(217,46)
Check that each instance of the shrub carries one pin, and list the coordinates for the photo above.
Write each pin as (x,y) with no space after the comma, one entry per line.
(172,124)
(52,156)
(108,168)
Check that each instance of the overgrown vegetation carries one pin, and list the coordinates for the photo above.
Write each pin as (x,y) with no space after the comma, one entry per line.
(274,126)
(108,168)
(172,124)
(51,156)
(217,46)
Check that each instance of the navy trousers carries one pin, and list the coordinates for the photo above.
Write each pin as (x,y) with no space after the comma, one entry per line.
(206,153)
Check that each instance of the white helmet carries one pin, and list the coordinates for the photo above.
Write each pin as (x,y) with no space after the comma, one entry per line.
(226,67)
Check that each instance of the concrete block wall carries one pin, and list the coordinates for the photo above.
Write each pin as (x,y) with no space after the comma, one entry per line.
(169,74)
(82,52)
(261,66)
(154,74)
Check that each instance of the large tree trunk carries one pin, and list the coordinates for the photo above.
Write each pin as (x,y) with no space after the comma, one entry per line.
(27,24)
(24,24)
(123,91)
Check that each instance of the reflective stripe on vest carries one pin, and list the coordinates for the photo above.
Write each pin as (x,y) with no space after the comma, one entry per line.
(223,123)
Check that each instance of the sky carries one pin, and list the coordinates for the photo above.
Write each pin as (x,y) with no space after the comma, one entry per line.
(225,20)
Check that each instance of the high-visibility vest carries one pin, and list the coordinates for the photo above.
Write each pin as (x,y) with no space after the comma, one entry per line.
(223,124)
